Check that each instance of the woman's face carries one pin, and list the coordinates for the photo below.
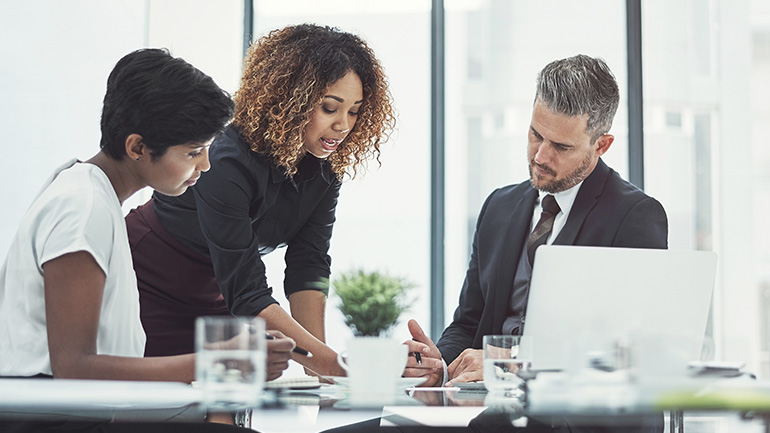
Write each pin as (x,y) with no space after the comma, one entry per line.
(179,168)
(334,117)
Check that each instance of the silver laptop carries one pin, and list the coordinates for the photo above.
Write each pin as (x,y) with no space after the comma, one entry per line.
(586,300)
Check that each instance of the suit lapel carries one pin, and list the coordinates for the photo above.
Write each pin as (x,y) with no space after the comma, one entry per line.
(586,199)
(511,246)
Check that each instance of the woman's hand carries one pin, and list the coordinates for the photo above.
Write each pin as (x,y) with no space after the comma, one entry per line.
(324,359)
(278,354)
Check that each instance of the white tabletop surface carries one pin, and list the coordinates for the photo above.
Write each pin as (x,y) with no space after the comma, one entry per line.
(99,399)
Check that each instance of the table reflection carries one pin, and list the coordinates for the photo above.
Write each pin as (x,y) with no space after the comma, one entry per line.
(436,409)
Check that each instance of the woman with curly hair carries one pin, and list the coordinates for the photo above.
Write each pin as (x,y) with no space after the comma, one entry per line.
(313,106)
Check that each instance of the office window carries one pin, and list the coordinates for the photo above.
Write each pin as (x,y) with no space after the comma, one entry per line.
(760,165)
(674,119)
(711,59)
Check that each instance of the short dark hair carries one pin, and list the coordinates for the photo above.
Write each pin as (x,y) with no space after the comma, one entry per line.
(580,85)
(162,98)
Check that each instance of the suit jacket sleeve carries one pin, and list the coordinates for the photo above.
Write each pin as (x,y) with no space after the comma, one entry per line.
(460,334)
(644,226)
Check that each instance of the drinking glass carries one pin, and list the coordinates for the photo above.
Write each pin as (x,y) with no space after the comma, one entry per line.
(230,361)
(502,364)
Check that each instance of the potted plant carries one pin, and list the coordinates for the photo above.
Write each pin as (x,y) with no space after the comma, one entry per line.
(371,301)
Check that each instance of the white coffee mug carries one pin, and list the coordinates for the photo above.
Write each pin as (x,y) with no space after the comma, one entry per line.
(374,366)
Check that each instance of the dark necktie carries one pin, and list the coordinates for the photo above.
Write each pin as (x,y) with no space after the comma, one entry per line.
(543,227)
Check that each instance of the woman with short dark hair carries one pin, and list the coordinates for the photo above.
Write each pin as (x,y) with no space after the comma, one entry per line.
(69,307)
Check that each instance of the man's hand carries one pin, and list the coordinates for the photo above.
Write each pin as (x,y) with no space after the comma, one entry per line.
(278,354)
(424,357)
(468,367)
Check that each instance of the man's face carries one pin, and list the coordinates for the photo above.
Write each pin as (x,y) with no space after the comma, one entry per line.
(561,154)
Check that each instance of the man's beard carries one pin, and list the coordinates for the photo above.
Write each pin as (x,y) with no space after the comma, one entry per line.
(565,183)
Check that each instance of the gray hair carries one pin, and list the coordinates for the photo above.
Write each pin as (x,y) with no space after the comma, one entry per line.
(580,85)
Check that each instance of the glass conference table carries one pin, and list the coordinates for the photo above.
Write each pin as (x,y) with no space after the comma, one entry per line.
(712,406)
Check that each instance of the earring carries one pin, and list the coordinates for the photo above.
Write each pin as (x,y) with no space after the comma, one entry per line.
(138,158)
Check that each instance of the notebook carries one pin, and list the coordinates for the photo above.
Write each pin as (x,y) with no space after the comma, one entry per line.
(585,299)
(294,382)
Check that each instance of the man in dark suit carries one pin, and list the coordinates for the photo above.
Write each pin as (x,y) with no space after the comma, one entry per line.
(574,106)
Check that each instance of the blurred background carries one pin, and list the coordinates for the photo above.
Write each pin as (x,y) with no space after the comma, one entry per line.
(706,111)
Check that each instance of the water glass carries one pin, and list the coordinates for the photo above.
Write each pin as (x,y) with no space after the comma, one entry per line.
(230,361)
(502,364)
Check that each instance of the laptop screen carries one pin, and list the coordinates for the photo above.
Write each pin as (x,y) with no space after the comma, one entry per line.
(583,300)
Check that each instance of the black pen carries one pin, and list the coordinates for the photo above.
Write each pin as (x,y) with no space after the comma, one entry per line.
(417,355)
(296,349)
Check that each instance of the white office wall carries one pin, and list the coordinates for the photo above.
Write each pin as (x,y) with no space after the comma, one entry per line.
(206,33)
(54,60)
(55,56)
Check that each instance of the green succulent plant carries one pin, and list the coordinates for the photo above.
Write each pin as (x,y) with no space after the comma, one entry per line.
(371,301)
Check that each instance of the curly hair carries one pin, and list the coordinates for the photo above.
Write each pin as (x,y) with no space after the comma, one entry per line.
(286,75)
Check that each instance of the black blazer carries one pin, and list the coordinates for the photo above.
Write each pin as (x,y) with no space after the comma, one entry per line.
(608,211)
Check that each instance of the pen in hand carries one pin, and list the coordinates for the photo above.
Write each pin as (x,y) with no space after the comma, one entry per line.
(417,355)
(296,349)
